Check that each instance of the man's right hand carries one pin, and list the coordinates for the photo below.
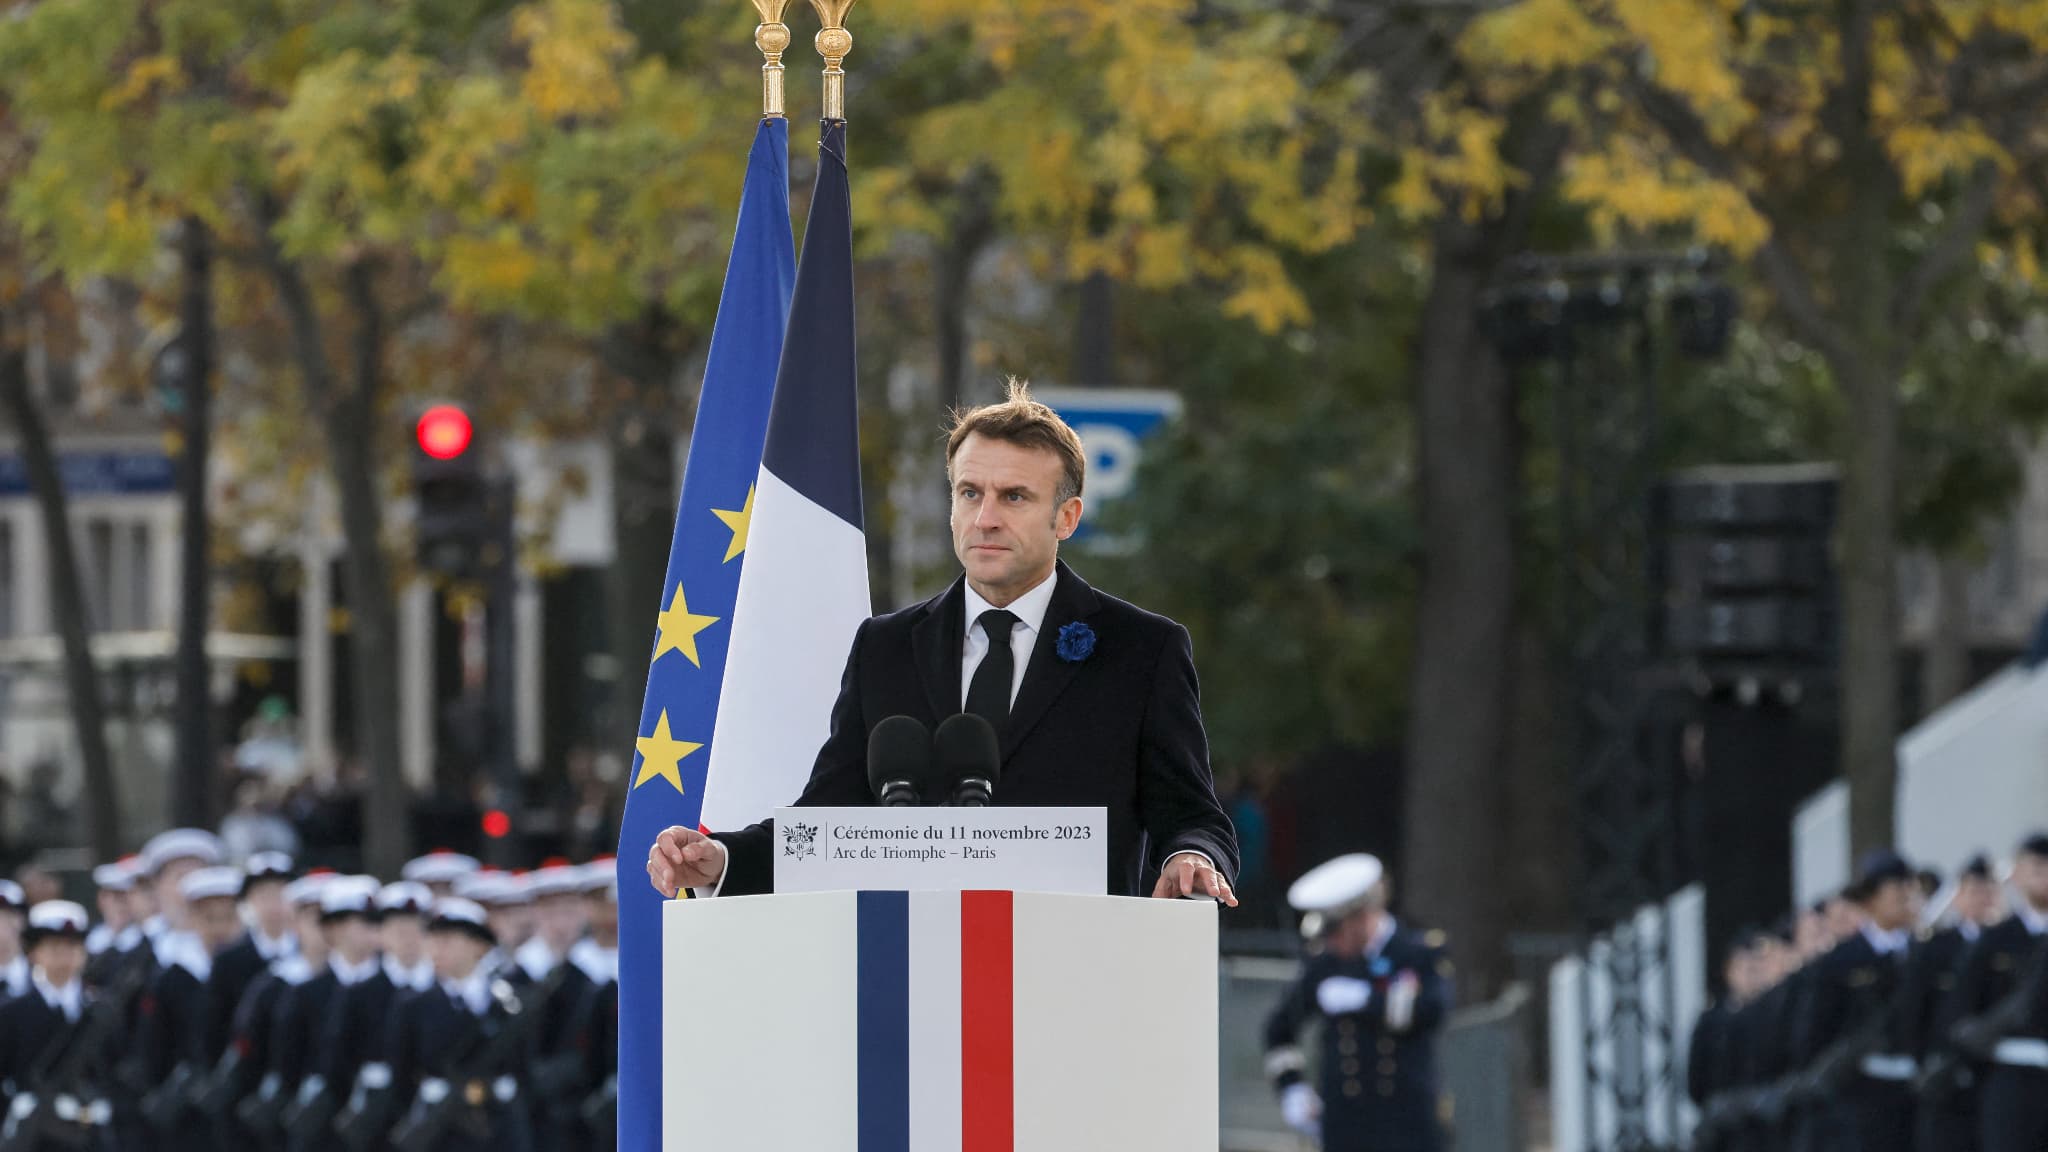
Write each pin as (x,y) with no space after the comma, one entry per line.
(684,858)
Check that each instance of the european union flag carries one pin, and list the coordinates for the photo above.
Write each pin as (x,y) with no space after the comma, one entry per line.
(694,625)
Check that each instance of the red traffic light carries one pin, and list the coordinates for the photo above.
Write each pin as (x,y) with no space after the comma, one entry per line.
(497,825)
(443,431)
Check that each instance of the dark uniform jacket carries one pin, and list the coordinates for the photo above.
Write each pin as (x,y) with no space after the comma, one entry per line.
(2013,1103)
(34,1040)
(1926,1004)
(441,1050)
(1378,1082)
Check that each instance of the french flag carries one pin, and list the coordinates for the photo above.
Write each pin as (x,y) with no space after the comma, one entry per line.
(944,1022)
(804,590)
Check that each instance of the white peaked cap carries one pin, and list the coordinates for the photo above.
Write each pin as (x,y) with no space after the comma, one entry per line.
(1336,885)
(210,882)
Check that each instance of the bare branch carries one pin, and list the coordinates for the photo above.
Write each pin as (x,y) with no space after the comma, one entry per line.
(1948,251)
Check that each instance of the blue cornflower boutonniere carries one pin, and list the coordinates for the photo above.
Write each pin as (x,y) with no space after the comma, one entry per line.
(1077,640)
(1381,967)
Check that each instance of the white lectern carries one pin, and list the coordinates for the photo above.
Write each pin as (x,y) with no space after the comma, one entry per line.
(939,1022)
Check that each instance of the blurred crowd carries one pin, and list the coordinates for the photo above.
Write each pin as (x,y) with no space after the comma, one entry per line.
(1903,1014)
(203,1004)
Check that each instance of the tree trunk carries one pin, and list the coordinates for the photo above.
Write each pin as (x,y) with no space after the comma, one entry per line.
(81,679)
(973,224)
(1945,670)
(194,802)
(347,415)
(645,487)
(1865,367)
(1464,641)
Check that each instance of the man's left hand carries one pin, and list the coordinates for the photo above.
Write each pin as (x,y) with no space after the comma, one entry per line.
(1191,874)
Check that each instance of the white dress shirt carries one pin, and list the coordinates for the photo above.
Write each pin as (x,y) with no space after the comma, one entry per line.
(70,999)
(2034,918)
(473,993)
(351,975)
(273,950)
(1893,943)
(1030,612)
(417,978)
(14,979)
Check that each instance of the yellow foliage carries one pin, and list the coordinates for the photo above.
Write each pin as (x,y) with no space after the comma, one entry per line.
(1544,35)
(574,48)
(1687,42)
(161,75)
(1627,185)
(1926,155)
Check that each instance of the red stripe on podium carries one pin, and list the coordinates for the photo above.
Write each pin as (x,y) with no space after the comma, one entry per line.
(988,1106)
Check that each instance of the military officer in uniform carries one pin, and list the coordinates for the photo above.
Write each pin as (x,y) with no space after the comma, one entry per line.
(46,1079)
(439,870)
(348,911)
(456,1051)
(1947,1108)
(176,1048)
(1848,1035)
(2004,971)
(1381,993)
(14,967)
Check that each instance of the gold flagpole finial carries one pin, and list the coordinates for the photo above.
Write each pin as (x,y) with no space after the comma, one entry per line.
(834,42)
(772,37)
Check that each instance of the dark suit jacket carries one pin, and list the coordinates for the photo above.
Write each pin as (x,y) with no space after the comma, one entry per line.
(1121,729)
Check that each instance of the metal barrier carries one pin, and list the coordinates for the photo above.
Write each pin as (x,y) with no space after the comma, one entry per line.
(1483,1058)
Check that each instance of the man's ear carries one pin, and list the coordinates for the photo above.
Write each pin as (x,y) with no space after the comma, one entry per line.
(1067,519)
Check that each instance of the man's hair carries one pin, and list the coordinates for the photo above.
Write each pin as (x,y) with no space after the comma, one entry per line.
(1020,420)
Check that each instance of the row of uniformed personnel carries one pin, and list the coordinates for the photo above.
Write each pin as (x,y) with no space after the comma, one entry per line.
(225,1007)
(1861,1034)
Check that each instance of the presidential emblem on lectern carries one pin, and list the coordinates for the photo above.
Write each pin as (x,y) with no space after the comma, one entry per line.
(799,841)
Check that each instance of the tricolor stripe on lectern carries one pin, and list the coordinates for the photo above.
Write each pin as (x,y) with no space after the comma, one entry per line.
(937,1019)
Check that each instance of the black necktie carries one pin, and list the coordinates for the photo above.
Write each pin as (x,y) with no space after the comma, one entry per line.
(988,694)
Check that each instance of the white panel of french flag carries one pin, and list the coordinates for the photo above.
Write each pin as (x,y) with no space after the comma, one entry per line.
(942,1022)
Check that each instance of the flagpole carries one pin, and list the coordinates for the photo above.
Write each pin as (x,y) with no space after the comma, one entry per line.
(833,43)
(772,38)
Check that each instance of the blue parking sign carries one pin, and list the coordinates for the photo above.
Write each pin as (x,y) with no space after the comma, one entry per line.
(1114,424)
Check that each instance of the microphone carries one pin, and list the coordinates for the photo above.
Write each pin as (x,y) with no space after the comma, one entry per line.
(899,761)
(969,758)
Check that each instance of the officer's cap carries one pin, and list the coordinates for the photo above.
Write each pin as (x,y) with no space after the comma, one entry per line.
(494,889)
(1979,868)
(405,898)
(212,882)
(346,896)
(54,918)
(2035,844)
(1878,867)
(266,868)
(180,844)
(113,878)
(12,898)
(306,889)
(1338,886)
(601,877)
(438,867)
(455,914)
(556,878)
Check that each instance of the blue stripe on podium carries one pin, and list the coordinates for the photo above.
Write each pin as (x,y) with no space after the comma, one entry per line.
(883,969)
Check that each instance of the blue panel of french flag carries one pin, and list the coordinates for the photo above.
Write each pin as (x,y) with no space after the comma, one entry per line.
(942,1022)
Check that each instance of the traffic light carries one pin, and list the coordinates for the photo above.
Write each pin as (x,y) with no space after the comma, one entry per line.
(453,521)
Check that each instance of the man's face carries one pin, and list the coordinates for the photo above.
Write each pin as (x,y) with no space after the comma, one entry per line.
(113,908)
(141,902)
(1891,906)
(512,924)
(560,919)
(2030,876)
(10,934)
(1976,899)
(60,958)
(1844,918)
(456,954)
(312,937)
(1007,519)
(268,909)
(405,938)
(216,921)
(354,937)
(604,918)
(168,897)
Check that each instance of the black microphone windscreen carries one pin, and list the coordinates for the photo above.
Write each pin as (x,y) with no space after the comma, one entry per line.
(966,748)
(899,749)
